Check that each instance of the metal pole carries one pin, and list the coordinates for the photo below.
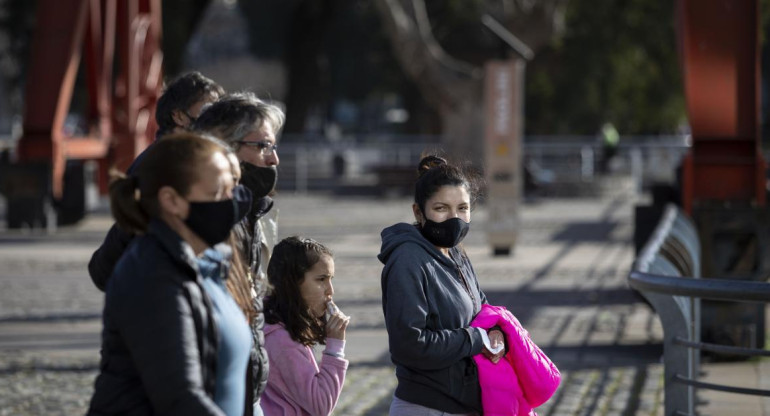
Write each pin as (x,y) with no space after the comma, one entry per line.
(637,171)
(587,163)
(301,171)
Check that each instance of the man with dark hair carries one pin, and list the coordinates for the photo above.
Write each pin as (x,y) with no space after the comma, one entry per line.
(177,108)
(182,101)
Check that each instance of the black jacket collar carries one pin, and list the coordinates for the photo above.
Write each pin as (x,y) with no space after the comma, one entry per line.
(177,248)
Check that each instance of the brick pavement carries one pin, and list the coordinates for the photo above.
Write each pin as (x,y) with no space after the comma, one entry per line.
(565,282)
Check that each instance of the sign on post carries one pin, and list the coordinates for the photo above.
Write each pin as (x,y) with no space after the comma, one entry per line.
(504,109)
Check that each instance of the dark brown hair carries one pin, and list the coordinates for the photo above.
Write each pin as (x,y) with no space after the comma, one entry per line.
(291,259)
(180,95)
(172,161)
(435,172)
(238,282)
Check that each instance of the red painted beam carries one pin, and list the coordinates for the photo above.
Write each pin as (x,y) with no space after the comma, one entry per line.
(121,125)
(720,63)
(139,81)
(54,60)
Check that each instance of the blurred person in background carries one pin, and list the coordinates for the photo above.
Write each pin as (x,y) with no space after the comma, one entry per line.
(178,106)
(182,101)
(610,139)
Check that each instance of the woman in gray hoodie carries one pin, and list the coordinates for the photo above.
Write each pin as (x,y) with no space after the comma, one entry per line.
(430,294)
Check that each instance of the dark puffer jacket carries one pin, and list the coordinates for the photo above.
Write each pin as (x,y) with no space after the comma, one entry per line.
(159,341)
(105,257)
(252,246)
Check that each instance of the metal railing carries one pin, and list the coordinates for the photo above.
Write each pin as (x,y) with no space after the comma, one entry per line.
(667,273)
(317,164)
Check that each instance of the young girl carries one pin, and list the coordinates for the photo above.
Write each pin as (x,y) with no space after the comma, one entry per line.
(300,314)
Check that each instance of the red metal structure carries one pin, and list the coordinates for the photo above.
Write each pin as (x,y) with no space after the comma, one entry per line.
(723,176)
(721,68)
(120,45)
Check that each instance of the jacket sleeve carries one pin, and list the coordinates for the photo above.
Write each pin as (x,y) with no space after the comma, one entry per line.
(406,317)
(157,325)
(105,258)
(315,389)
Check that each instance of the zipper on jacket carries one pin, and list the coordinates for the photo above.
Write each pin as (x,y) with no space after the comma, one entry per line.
(465,282)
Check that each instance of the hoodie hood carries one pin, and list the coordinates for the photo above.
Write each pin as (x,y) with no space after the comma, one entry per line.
(403,233)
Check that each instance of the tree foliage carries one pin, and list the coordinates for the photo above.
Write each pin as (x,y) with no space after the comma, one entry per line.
(596,60)
(617,62)
(17,19)
(180,18)
(333,50)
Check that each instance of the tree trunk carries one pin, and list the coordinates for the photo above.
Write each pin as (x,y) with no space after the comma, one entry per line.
(307,61)
(454,88)
(180,19)
(451,87)
(463,127)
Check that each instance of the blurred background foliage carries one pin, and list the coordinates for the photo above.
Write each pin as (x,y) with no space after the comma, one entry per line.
(599,60)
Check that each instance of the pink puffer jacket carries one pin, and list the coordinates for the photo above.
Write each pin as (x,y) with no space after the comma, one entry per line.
(524,379)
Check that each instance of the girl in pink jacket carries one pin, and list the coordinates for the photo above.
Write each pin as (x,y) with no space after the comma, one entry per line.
(300,314)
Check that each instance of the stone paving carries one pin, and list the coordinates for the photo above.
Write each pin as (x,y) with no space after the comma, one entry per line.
(565,282)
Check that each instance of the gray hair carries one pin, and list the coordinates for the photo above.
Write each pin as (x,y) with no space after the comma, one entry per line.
(236,115)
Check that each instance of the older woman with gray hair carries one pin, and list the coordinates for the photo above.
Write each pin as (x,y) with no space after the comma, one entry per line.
(249,125)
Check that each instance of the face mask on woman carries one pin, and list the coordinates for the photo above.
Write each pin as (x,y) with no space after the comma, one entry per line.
(260,180)
(447,233)
(213,220)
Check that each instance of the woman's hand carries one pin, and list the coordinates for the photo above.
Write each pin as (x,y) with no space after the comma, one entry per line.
(495,339)
(336,325)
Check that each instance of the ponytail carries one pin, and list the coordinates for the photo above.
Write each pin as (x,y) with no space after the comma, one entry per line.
(171,162)
(124,203)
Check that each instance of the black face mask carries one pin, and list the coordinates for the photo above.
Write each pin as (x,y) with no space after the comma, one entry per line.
(447,233)
(260,180)
(212,221)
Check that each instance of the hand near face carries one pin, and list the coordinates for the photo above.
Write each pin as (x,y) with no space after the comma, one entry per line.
(336,325)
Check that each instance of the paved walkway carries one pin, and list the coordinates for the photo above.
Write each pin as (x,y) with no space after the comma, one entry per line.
(565,282)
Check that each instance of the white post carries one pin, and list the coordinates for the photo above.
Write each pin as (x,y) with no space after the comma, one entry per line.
(637,171)
(301,171)
(587,163)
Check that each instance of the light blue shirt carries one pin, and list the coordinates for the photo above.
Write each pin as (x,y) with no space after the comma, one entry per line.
(234,336)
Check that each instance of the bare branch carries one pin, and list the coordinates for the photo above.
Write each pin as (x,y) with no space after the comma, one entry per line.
(435,49)
(440,78)
(534,22)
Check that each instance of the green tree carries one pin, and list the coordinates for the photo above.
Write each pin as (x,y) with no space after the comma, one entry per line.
(452,82)
(617,61)
(332,49)
(17,21)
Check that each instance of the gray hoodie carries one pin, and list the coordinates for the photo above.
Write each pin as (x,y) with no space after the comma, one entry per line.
(429,301)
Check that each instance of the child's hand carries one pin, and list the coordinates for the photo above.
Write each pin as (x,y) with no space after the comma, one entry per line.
(336,322)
